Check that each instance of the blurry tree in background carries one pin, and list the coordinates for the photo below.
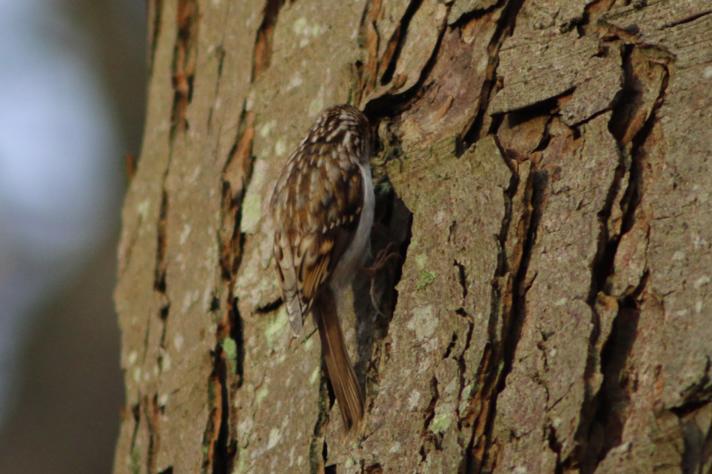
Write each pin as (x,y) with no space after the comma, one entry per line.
(551,309)
(72,87)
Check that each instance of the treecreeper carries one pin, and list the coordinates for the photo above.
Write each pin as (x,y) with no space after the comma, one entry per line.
(322,207)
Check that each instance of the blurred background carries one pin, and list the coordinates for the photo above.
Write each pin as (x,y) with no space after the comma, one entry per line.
(72,84)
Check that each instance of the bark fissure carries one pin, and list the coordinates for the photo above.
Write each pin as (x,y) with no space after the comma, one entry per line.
(262,51)
(151,414)
(229,349)
(155,12)
(604,411)
(395,43)
(505,27)
(392,103)
(498,357)
(687,19)
(183,71)
(318,450)
(430,440)
(185,54)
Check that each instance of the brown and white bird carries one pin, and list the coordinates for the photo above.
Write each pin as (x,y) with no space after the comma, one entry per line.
(322,208)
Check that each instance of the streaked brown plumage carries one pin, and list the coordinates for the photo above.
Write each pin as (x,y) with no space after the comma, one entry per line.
(322,208)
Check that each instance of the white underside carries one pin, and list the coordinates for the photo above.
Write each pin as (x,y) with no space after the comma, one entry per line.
(354,255)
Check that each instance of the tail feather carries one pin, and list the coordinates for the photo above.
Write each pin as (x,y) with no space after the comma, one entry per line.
(338,365)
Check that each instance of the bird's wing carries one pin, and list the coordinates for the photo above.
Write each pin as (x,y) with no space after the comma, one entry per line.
(316,205)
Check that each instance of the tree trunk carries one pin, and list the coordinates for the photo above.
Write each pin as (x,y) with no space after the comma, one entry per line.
(545,177)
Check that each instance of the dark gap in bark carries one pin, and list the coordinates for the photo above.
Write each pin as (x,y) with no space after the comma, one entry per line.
(546,137)
(584,21)
(697,451)
(165,310)
(589,434)
(220,454)
(230,329)
(155,7)
(214,414)
(602,415)
(369,40)
(539,182)
(136,416)
(262,50)
(628,100)
(230,240)
(462,366)
(687,19)
(373,469)
(159,285)
(317,446)
(513,325)
(214,304)
(399,36)
(547,107)
(613,397)
(497,120)
(692,406)
(184,62)
(168,470)
(150,407)
(602,267)
(269,307)
(330,469)
(392,105)
(555,447)
(237,335)
(220,53)
(475,14)
(429,438)
(159,273)
(462,278)
(498,357)
(512,330)
(505,27)
(450,346)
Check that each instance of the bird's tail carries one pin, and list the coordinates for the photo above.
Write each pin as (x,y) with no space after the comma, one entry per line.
(338,365)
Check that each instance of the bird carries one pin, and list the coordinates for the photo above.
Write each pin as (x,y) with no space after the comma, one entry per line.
(322,208)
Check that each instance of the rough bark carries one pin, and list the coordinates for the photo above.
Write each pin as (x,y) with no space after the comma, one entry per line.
(545,176)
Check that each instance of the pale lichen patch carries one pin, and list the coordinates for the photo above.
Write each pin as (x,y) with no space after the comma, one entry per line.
(274,437)
(280,147)
(252,204)
(413,400)
(143,208)
(442,420)
(307,31)
(294,82)
(701,281)
(423,322)
(184,234)
(261,394)
(178,341)
(267,128)
(314,377)
(317,104)
(133,355)
(275,328)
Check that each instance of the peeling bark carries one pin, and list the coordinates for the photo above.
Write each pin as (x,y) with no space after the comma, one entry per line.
(543,178)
